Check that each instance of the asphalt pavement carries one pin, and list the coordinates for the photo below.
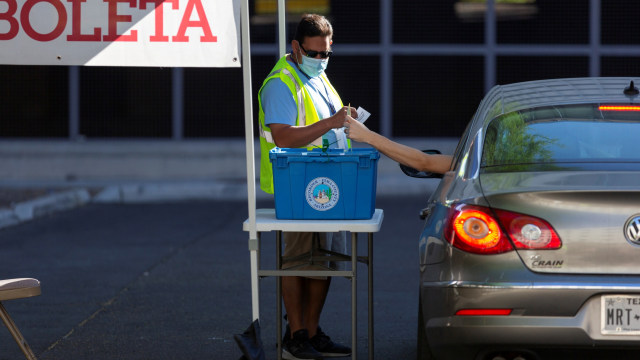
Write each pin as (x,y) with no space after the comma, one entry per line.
(170,280)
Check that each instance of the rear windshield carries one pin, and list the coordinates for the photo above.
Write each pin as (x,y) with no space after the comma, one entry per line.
(552,136)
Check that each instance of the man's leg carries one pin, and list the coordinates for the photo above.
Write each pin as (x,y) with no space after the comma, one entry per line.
(293,287)
(292,295)
(304,299)
(320,288)
(297,345)
(315,297)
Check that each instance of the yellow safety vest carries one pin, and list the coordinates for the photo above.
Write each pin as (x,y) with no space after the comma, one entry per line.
(307,115)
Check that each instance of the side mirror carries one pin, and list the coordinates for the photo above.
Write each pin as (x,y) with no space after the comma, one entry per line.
(409,171)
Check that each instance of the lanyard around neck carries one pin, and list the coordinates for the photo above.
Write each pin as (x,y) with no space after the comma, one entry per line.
(327,98)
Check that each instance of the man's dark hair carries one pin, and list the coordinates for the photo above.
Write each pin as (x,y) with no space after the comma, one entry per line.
(313,25)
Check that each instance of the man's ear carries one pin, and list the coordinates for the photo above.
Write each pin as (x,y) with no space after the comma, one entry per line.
(295,49)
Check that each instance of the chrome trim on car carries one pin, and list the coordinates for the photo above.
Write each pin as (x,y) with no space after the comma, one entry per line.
(538,285)
(474,166)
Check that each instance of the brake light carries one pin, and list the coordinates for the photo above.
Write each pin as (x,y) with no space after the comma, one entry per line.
(619,108)
(473,228)
(483,312)
(528,232)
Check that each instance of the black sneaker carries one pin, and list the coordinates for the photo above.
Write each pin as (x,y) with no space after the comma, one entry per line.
(321,342)
(299,347)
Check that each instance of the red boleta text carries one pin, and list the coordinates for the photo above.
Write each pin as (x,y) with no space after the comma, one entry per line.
(20,17)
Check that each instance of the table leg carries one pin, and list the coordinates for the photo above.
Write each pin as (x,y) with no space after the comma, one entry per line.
(354,301)
(370,278)
(279,295)
(254,254)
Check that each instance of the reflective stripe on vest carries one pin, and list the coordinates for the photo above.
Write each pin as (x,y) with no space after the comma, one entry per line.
(306,116)
(266,135)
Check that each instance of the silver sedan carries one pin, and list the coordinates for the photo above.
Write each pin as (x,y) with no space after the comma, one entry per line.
(531,245)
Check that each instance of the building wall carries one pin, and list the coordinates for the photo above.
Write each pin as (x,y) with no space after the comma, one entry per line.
(420,67)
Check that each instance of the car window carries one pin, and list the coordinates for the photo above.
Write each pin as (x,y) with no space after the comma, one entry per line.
(561,134)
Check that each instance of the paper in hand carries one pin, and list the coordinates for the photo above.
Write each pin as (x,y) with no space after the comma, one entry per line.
(363,115)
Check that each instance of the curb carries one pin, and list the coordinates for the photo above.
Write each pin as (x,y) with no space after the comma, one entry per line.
(178,191)
(42,206)
(236,190)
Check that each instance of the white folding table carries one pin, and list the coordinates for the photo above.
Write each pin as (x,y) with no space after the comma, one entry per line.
(265,220)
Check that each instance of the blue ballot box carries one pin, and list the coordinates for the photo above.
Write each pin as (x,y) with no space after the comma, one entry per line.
(330,184)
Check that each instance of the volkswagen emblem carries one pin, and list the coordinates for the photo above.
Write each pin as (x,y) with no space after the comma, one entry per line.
(632,229)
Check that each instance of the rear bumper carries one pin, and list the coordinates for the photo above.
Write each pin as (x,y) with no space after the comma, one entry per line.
(544,315)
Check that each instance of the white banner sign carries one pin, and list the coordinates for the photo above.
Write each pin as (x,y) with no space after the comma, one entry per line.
(162,33)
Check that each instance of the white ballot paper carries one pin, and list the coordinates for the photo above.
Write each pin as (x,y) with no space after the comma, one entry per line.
(363,115)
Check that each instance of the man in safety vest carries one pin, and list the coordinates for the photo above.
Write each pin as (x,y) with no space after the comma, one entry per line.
(300,108)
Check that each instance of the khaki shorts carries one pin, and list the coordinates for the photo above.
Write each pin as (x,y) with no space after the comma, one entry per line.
(300,244)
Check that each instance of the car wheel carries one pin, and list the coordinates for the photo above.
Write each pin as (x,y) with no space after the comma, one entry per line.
(424,353)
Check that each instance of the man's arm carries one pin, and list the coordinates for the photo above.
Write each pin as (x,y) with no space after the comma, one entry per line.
(289,136)
(401,153)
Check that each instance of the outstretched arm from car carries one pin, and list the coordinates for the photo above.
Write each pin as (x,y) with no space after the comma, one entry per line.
(403,154)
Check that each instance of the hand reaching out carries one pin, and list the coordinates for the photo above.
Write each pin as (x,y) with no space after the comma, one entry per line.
(356,130)
(403,154)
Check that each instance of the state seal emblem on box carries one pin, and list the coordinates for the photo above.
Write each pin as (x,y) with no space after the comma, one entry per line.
(322,193)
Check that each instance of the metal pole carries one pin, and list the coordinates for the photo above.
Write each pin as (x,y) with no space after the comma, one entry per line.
(279,295)
(17,336)
(282,50)
(594,38)
(490,45)
(74,102)
(354,300)
(386,68)
(177,97)
(282,29)
(251,177)
(370,279)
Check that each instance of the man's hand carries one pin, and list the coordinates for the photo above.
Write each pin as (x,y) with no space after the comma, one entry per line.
(338,119)
(288,136)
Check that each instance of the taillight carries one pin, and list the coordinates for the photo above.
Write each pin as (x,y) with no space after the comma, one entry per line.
(475,229)
(619,108)
(528,232)
(472,228)
(483,312)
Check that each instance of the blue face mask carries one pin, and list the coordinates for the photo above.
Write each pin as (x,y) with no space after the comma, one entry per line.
(313,67)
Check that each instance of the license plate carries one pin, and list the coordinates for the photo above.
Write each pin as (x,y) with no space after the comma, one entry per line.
(620,315)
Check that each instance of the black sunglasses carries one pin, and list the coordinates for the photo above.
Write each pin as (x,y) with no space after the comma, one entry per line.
(313,53)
